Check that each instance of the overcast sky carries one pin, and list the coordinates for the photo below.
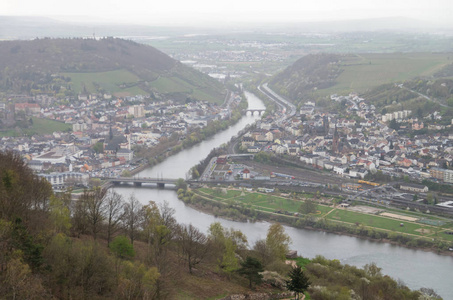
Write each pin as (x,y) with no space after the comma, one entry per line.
(167,12)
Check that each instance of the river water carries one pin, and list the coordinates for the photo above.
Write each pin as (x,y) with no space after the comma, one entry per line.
(415,267)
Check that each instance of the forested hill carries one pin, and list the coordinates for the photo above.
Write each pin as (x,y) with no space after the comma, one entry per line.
(118,66)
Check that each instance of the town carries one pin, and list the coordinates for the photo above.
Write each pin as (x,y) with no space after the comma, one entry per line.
(103,133)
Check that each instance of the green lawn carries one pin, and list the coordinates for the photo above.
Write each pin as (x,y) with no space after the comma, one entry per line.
(171,85)
(272,203)
(39,127)
(445,236)
(375,221)
(413,214)
(448,225)
(46,126)
(220,195)
(266,202)
(110,81)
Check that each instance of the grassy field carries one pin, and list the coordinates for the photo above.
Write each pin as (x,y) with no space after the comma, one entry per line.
(375,221)
(39,127)
(272,203)
(365,71)
(109,81)
(171,85)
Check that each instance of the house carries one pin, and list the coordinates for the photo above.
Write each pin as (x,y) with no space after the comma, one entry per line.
(246,174)
(248,141)
(28,108)
(222,159)
(253,149)
(417,126)
(127,154)
(340,169)
(307,110)
(293,149)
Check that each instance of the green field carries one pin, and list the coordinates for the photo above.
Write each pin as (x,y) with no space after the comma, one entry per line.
(171,85)
(110,81)
(365,71)
(375,221)
(220,194)
(261,201)
(39,127)
(272,203)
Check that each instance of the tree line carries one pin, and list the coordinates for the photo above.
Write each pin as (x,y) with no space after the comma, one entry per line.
(106,246)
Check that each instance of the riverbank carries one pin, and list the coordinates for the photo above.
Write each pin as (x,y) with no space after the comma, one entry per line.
(193,138)
(309,243)
(411,236)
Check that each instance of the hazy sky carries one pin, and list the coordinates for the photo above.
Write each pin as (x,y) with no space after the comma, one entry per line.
(217,11)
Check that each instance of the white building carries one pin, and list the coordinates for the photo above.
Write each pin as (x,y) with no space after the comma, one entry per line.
(60,180)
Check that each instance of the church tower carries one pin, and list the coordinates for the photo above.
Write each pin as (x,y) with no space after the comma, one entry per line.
(335,140)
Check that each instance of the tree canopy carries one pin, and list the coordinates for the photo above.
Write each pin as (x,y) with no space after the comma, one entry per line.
(251,269)
(298,282)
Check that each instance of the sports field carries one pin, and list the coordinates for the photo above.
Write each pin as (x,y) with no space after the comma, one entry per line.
(381,219)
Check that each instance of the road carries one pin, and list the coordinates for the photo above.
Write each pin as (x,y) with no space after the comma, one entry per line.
(422,95)
(280,101)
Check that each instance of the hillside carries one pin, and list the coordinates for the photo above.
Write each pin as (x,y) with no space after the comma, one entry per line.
(108,65)
(320,75)
(311,72)
(105,246)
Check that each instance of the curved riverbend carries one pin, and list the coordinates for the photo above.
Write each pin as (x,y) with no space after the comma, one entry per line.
(416,268)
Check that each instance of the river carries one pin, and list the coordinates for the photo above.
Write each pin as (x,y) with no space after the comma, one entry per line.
(416,268)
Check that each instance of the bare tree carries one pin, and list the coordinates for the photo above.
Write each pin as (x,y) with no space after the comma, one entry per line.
(193,244)
(114,210)
(94,204)
(167,215)
(132,217)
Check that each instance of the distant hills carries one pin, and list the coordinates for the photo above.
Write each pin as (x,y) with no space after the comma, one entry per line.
(319,75)
(108,65)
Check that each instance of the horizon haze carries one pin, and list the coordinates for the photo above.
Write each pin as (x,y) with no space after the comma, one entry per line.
(433,14)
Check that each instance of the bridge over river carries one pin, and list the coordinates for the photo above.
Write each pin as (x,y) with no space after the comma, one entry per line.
(253,110)
(138,181)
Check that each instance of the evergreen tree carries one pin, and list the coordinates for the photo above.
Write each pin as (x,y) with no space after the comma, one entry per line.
(298,282)
(251,269)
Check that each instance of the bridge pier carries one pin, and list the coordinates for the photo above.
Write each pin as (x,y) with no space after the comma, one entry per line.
(161,185)
(137,183)
(116,182)
(252,111)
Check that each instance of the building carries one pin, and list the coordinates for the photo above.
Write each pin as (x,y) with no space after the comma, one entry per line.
(137,111)
(127,154)
(28,108)
(448,176)
(414,187)
(61,180)
(222,159)
(246,174)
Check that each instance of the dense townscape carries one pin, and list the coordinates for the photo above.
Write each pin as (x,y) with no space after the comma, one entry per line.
(364,142)
(104,133)
(267,161)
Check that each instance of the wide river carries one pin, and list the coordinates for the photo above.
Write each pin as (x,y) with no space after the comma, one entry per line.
(415,267)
